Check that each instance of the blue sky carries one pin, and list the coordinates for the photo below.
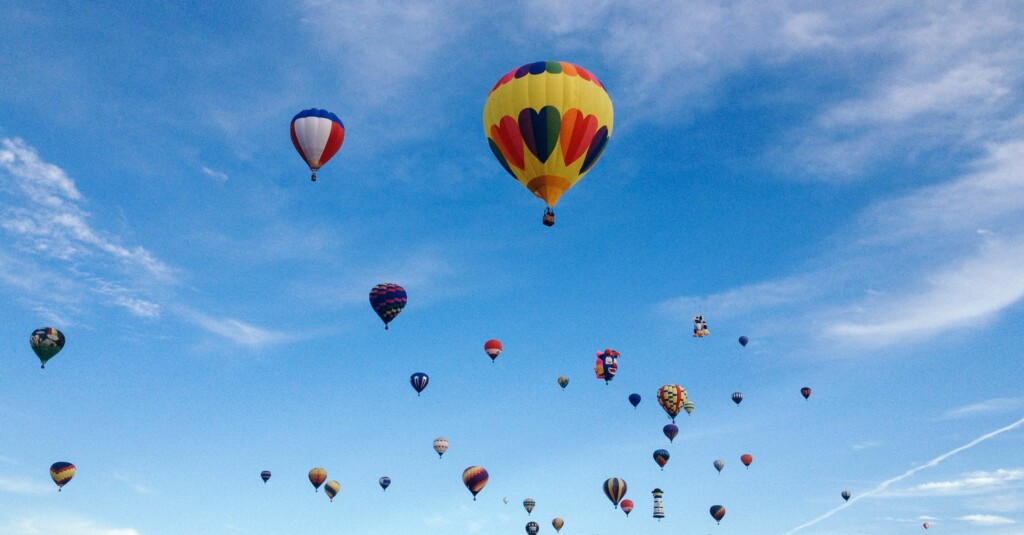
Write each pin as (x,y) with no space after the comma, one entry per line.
(844,186)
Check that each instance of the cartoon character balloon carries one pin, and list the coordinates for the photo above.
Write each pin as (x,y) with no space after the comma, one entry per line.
(475,478)
(46,343)
(388,300)
(547,123)
(61,473)
(440,446)
(265,476)
(317,135)
(700,327)
(532,528)
(606,365)
(317,476)
(419,381)
(493,348)
(615,490)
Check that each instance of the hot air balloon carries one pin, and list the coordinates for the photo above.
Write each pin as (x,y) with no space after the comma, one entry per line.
(493,348)
(475,478)
(688,407)
(563,382)
(419,381)
(265,476)
(634,400)
(717,512)
(384,482)
(331,488)
(659,507)
(505,499)
(626,506)
(700,327)
(388,300)
(46,343)
(744,340)
(548,123)
(558,523)
(61,473)
(670,430)
(671,398)
(737,397)
(607,365)
(615,489)
(661,457)
(805,392)
(746,459)
(926,525)
(532,528)
(529,504)
(719,465)
(846,495)
(317,135)
(440,446)
(317,476)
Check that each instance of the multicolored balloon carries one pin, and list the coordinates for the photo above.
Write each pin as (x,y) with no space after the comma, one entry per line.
(529,504)
(493,348)
(265,476)
(744,340)
(547,123)
(331,488)
(46,343)
(388,300)
(317,135)
(532,528)
(626,506)
(719,465)
(563,382)
(670,430)
(634,400)
(61,473)
(688,407)
(737,397)
(607,364)
(805,392)
(419,381)
(615,490)
(746,459)
(661,457)
(671,398)
(475,478)
(384,482)
(557,523)
(317,476)
(846,495)
(440,446)
(717,512)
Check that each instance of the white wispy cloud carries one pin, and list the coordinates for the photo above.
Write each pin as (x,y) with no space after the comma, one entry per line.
(238,331)
(61,525)
(970,484)
(990,406)
(884,486)
(987,520)
(216,175)
(867,444)
(24,486)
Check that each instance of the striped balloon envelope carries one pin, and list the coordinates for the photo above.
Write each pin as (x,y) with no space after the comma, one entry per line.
(61,473)
(475,478)
(388,300)
(332,488)
(615,490)
(529,504)
(317,135)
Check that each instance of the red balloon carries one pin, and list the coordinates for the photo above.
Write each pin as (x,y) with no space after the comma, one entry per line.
(493,348)
(627,506)
(746,459)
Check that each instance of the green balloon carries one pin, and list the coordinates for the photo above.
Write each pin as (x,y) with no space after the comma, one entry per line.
(46,343)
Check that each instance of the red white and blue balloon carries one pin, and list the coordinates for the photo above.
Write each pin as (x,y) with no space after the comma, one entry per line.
(317,135)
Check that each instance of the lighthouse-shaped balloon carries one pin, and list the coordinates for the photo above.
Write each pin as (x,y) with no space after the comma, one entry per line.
(659,509)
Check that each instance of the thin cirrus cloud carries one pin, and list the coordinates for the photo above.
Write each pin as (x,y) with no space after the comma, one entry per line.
(987,520)
(990,406)
(24,486)
(216,175)
(970,484)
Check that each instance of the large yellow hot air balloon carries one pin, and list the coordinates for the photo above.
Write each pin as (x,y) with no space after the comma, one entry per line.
(548,123)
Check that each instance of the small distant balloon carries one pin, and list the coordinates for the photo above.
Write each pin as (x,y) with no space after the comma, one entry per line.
(717,512)
(46,343)
(661,457)
(634,400)
(265,476)
(846,495)
(688,407)
(384,482)
(419,381)
(926,525)
(719,465)
(317,476)
(532,528)
(331,488)
(737,397)
(529,504)
(626,506)
(670,430)
(61,473)
(493,348)
(440,446)
(475,478)
(557,523)
(563,382)
(744,340)
(805,392)
(388,300)
(746,459)
(615,490)
(505,499)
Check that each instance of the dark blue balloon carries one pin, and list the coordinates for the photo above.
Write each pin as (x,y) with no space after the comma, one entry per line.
(419,381)
(744,340)
(634,399)
(385,482)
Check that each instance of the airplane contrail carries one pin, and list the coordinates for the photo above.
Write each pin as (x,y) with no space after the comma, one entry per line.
(885,484)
